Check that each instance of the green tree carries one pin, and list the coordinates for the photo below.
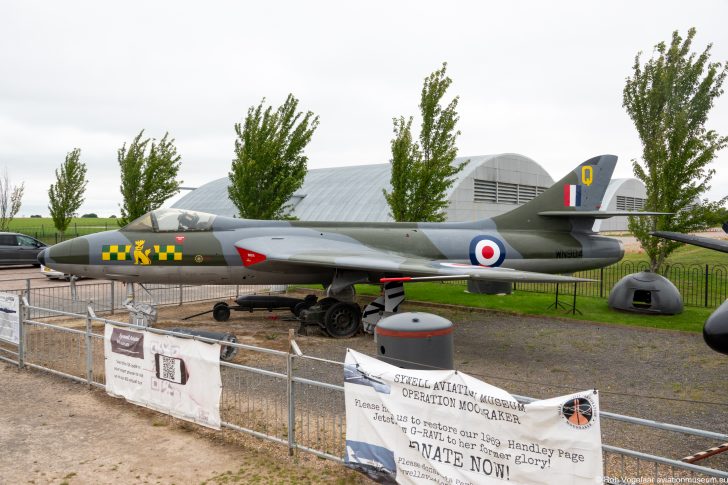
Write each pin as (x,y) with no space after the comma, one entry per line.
(10,200)
(269,164)
(668,98)
(148,175)
(423,172)
(66,195)
(718,216)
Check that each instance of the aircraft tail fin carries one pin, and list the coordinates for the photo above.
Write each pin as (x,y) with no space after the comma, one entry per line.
(571,201)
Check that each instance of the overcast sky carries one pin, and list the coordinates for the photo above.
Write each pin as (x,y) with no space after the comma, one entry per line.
(543,79)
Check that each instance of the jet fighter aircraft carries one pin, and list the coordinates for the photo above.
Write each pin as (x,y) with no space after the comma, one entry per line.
(550,234)
(715,329)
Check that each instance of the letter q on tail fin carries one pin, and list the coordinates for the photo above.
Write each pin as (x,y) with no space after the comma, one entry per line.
(572,202)
(579,192)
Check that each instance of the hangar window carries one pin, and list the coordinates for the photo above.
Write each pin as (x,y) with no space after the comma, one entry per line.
(504,192)
(630,203)
(526,193)
(486,191)
(507,193)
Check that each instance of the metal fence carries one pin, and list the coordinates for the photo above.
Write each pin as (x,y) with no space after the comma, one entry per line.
(109,296)
(298,400)
(700,285)
(49,235)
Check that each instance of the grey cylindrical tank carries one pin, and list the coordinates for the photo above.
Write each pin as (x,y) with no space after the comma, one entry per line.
(415,340)
(646,292)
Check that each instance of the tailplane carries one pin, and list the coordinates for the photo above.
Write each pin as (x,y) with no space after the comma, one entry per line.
(578,195)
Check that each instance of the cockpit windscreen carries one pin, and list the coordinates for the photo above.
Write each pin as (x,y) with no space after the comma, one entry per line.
(172,220)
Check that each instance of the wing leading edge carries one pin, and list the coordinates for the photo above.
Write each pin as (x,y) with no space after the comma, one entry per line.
(703,242)
(300,252)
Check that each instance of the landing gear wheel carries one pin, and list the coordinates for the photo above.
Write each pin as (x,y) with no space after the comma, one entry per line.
(221,312)
(342,319)
(307,303)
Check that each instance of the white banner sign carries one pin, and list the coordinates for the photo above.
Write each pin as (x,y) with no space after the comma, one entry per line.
(10,318)
(173,375)
(445,427)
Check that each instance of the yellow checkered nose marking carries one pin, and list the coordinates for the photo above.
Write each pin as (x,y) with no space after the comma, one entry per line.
(170,252)
(116,252)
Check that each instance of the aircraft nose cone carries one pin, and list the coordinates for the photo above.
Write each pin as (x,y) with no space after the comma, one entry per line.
(41,257)
(715,331)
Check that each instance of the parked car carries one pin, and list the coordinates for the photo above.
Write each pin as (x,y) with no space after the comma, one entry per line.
(19,249)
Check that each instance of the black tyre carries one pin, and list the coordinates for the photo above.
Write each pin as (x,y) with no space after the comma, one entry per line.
(327,302)
(342,319)
(221,312)
(304,305)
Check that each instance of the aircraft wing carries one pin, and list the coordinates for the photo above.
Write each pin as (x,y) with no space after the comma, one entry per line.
(703,242)
(601,214)
(282,253)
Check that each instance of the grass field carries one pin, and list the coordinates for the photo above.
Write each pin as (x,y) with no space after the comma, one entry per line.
(686,255)
(593,309)
(42,227)
(36,223)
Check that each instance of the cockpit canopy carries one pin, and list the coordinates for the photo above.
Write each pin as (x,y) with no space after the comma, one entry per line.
(172,220)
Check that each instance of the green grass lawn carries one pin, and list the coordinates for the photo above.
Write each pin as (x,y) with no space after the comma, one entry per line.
(34,223)
(42,227)
(686,255)
(522,302)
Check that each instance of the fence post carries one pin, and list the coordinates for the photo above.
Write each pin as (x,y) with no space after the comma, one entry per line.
(291,395)
(180,294)
(27,289)
(21,331)
(601,282)
(89,348)
(113,296)
(706,285)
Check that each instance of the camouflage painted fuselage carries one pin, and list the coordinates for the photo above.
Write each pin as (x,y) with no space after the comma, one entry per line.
(550,234)
(211,256)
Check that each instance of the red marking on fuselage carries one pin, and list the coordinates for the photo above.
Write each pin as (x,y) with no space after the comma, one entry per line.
(250,257)
(179,239)
(487,252)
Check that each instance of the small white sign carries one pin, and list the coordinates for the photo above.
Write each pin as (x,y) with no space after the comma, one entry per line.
(10,318)
(173,375)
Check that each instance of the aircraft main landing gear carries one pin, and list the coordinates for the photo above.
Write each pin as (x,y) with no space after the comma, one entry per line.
(338,319)
(343,319)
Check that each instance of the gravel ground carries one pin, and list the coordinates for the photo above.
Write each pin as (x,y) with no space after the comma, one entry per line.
(653,374)
(661,375)
(54,431)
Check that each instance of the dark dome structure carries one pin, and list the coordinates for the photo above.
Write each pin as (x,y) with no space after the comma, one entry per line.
(646,292)
(715,330)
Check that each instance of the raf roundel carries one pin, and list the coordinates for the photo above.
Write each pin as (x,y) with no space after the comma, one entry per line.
(487,251)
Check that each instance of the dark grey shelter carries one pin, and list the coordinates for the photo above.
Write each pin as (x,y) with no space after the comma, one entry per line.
(715,330)
(646,292)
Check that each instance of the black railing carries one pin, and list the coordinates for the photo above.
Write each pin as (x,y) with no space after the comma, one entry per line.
(699,284)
